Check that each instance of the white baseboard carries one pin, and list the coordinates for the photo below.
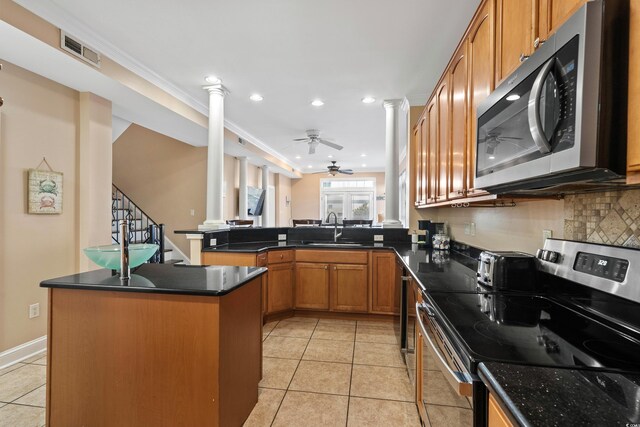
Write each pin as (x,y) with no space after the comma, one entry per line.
(170,245)
(23,351)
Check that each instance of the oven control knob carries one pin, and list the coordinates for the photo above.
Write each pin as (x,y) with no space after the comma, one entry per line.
(546,255)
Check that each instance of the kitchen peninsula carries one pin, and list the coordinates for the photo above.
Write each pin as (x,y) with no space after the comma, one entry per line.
(180,345)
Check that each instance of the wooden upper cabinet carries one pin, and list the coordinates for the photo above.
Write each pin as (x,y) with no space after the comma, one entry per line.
(312,286)
(349,286)
(552,14)
(633,124)
(458,81)
(432,150)
(514,34)
(481,54)
(425,159)
(443,146)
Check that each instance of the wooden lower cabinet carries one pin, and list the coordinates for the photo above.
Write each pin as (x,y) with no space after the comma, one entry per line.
(280,287)
(385,290)
(312,286)
(495,414)
(348,287)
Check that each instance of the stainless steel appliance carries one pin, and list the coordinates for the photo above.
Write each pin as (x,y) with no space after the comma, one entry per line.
(506,270)
(561,116)
(583,315)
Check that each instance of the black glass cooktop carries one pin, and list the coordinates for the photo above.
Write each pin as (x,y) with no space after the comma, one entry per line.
(532,330)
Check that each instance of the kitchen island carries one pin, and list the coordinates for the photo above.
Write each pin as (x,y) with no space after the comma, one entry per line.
(179,345)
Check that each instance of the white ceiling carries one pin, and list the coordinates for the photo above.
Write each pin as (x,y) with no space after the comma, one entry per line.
(290,51)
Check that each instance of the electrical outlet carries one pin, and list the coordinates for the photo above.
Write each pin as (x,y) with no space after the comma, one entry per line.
(472,228)
(213,242)
(467,229)
(192,212)
(282,237)
(34,310)
(378,237)
(547,234)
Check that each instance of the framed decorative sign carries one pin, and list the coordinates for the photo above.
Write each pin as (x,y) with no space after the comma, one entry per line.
(45,191)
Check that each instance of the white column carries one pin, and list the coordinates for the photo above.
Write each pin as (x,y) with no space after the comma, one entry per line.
(215,159)
(242,162)
(394,110)
(265,186)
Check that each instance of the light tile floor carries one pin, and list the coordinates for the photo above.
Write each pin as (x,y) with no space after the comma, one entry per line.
(319,372)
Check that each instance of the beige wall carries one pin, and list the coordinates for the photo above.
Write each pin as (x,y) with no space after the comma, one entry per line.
(283,193)
(39,119)
(305,194)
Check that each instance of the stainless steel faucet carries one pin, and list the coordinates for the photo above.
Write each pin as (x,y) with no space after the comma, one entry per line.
(335,226)
(125,272)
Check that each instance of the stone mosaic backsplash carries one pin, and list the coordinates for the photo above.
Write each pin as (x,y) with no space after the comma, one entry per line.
(610,217)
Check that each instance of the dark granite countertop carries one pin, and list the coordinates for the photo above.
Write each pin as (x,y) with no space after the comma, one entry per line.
(163,278)
(564,397)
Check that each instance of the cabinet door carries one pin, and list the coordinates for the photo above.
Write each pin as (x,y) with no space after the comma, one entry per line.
(349,287)
(280,287)
(417,142)
(385,289)
(312,286)
(432,150)
(458,138)
(552,14)
(495,415)
(633,130)
(425,159)
(481,79)
(515,31)
(442,102)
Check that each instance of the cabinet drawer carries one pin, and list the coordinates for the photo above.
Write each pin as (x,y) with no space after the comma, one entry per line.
(228,258)
(332,256)
(275,257)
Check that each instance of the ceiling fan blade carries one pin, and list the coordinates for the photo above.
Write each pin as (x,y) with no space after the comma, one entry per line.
(330,144)
(301,139)
(346,171)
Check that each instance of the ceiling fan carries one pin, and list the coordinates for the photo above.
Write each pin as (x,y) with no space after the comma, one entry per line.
(313,139)
(334,169)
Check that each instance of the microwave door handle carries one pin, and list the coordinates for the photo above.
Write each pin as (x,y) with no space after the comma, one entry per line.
(461,378)
(535,124)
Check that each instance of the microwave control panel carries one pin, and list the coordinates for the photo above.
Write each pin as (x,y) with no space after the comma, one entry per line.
(602,266)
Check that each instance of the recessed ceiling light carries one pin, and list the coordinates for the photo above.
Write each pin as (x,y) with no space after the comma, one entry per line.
(309,166)
(317,103)
(330,156)
(256,97)
(363,155)
(297,157)
(364,165)
(212,79)
(513,97)
(368,99)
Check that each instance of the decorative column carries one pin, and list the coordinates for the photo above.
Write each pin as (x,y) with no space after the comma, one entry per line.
(215,159)
(265,186)
(394,110)
(242,162)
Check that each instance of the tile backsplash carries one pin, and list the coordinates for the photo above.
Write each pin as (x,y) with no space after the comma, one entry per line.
(610,217)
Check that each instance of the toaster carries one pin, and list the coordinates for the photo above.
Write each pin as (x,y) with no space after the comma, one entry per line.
(507,271)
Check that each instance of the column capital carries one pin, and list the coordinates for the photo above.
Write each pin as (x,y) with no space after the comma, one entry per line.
(393,103)
(217,88)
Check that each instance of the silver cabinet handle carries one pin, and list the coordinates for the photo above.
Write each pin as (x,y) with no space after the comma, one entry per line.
(538,42)
(535,124)
(523,57)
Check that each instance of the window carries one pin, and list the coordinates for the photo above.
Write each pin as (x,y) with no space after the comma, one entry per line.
(348,198)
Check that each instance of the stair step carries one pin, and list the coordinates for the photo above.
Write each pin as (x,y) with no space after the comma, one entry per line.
(173,261)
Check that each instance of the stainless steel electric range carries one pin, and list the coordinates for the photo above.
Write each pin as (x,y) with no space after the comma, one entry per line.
(584,314)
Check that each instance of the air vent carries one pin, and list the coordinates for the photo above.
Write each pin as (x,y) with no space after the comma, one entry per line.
(79,49)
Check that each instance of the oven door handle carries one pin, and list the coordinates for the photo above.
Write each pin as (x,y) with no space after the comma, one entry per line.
(535,123)
(463,380)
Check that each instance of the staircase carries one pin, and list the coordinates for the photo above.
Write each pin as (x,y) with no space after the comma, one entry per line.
(142,229)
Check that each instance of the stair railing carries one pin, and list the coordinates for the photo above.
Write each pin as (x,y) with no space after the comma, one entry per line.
(139,223)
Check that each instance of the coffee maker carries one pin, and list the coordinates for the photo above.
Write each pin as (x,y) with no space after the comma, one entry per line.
(431,228)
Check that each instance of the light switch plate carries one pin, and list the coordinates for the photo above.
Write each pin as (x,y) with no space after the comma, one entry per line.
(378,237)
(282,237)
(213,242)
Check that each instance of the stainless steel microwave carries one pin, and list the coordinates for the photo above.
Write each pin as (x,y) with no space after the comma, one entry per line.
(561,117)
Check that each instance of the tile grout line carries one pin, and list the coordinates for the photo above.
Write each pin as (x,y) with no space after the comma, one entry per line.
(31,391)
(353,355)
(294,374)
(359,397)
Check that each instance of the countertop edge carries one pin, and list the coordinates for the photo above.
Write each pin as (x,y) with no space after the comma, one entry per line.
(494,386)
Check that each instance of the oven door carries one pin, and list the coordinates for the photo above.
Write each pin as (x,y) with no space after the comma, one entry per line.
(444,384)
(411,295)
